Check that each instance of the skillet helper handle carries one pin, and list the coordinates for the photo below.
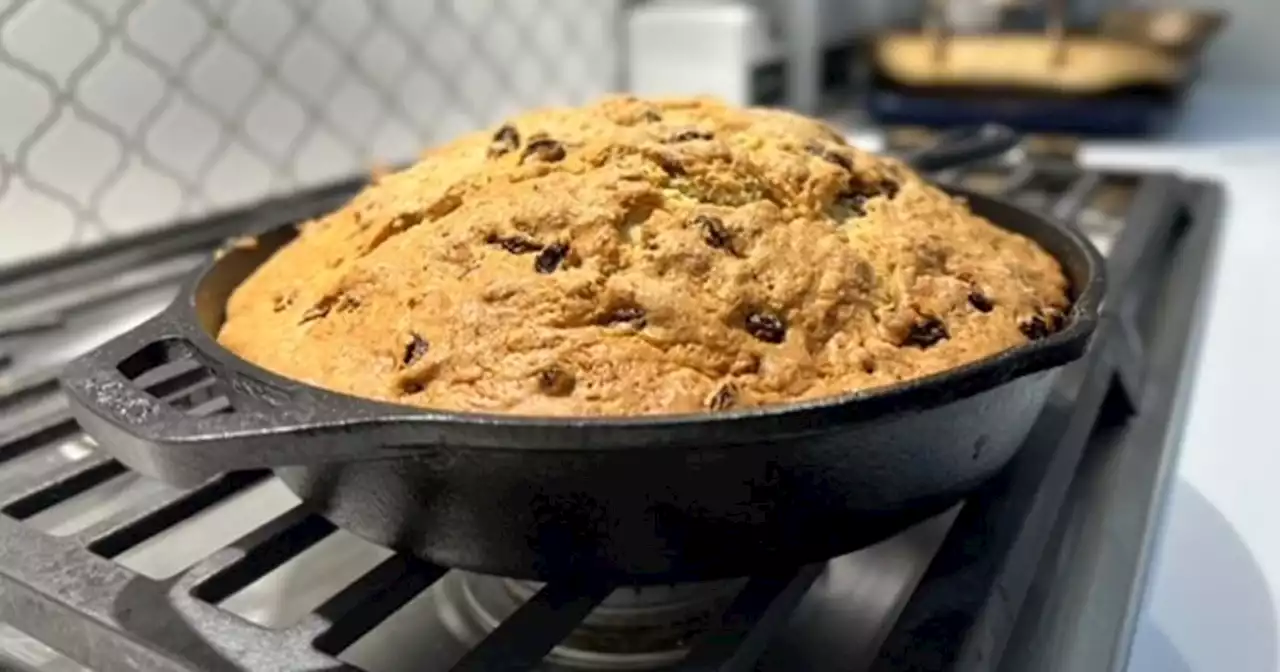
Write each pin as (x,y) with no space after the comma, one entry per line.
(963,146)
(156,405)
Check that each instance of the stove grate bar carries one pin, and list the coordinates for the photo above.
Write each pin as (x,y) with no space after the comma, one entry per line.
(125,622)
(25,325)
(15,390)
(1076,198)
(30,411)
(1021,176)
(37,433)
(1149,222)
(225,636)
(524,638)
(69,480)
(48,308)
(188,504)
(756,614)
(263,558)
(371,600)
(44,468)
(1152,223)
(128,515)
(1131,362)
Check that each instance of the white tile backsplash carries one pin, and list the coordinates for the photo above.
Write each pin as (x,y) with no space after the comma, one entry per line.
(322,157)
(121,89)
(34,223)
(343,20)
(274,120)
(225,76)
(168,30)
(237,176)
(26,106)
(76,155)
(37,25)
(121,115)
(142,198)
(310,66)
(184,136)
(261,26)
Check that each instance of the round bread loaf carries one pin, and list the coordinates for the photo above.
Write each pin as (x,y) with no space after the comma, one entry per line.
(638,257)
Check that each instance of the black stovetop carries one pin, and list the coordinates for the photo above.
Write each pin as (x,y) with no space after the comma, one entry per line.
(120,572)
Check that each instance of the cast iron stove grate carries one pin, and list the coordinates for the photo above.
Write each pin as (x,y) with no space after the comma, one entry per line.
(79,534)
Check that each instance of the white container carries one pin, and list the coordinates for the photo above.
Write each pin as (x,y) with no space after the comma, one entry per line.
(698,48)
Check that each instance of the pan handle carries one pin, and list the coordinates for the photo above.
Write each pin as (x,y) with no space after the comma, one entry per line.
(162,408)
(962,146)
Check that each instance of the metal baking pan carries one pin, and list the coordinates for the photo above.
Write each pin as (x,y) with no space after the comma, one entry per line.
(652,498)
(1128,50)
(1128,114)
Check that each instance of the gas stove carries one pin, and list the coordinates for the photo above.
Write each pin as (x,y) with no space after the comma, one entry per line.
(115,571)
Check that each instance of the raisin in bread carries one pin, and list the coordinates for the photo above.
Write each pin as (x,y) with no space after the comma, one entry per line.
(637,257)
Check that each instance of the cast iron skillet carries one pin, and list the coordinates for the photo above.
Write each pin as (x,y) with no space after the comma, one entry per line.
(653,498)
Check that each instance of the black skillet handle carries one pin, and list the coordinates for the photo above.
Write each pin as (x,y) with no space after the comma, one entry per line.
(962,146)
(156,404)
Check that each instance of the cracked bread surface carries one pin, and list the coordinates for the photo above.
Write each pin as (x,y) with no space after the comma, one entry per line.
(639,257)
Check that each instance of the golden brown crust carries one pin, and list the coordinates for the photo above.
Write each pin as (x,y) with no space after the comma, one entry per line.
(638,257)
